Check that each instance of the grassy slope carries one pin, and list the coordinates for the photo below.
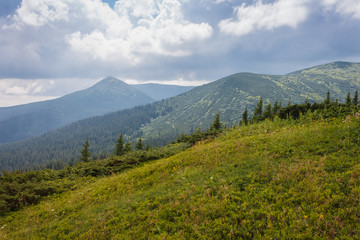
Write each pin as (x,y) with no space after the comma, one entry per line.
(278,180)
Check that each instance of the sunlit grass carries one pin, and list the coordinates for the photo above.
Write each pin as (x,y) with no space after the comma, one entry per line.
(281,179)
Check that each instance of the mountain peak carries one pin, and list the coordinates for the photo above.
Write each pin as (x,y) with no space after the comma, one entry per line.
(110,81)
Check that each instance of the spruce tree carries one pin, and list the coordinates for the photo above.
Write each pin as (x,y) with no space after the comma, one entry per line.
(245,116)
(275,108)
(128,146)
(348,99)
(139,145)
(327,100)
(268,112)
(258,110)
(119,148)
(216,125)
(85,154)
(356,98)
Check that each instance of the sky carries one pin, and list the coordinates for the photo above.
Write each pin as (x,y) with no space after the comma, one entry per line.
(49,48)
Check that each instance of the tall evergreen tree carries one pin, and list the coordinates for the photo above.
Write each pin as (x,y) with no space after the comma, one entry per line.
(139,144)
(245,116)
(348,99)
(128,146)
(268,112)
(258,110)
(327,100)
(216,125)
(355,100)
(119,148)
(276,108)
(85,154)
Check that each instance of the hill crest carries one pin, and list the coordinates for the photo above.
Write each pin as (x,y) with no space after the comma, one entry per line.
(108,95)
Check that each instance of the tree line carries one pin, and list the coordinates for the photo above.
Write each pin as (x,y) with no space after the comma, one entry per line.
(328,108)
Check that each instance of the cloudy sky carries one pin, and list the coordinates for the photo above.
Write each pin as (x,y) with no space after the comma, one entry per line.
(52,47)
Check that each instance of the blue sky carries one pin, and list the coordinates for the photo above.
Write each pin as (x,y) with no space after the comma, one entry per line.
(52,47)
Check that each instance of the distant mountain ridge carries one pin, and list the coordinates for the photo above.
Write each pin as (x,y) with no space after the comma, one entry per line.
(161,91)
(108,95)
(163,121)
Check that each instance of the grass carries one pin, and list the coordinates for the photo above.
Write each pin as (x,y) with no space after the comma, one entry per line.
(281,179)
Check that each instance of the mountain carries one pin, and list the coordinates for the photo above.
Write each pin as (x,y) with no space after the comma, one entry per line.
(230,96)
(161,91)
(108,95)
(263,181)
(161,122)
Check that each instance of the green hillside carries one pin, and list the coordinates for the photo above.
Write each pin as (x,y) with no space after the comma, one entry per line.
(161,91)
(230,96)
(28,120)
(281,179)
(162,122)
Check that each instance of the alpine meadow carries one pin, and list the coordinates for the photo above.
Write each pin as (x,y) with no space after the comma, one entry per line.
(293,175)
(278,170)
(179,119)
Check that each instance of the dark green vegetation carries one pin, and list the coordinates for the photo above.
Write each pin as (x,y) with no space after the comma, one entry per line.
(162,122)
(109,95)
(19,189)
(160,91)
(291,178)
(63,145)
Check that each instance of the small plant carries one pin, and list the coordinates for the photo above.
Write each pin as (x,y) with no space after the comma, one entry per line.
(352,122)
(353,117)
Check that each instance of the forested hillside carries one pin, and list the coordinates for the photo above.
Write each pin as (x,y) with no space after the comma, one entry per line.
(164,121)
(63,145)
(108,95)
(286,176)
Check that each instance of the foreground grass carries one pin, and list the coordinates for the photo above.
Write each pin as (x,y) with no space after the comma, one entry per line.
(269,180)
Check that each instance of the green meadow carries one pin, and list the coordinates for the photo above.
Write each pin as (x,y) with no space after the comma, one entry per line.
(280,179)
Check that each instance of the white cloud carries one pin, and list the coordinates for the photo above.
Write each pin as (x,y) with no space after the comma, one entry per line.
(136,8)
(222,1)
(18,91)
(129,32)
(265,16)
(343,7)
(25,87)
(15,91)
(39,13)
(153,27)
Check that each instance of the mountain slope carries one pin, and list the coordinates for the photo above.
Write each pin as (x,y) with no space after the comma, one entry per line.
(33,119)
(161,91)
(162,122)
(230,96)
(265,181)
